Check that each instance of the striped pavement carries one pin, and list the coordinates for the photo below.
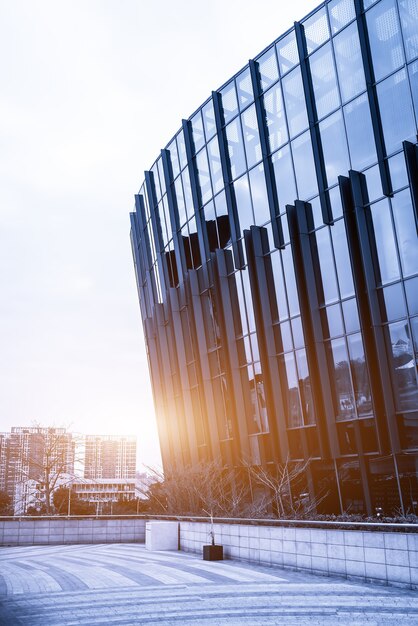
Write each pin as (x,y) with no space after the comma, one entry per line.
(126,584)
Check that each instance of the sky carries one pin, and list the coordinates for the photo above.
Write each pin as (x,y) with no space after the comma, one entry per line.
(90,91)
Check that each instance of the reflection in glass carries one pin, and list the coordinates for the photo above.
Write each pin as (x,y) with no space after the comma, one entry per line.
(279,285)
(235,148)
(208,115)
(334,145)
(385,38)
(326,262)
(259,195)
(413,77)
(403,366)
(411,288)
(295,102)
(393,305)
(215,165)
(290,280)
(359,375)
(334,320)
(251,136)
(344,396)
(229,101)
(297,332)
(316,30)
(244,207)
(284,177)
(294,414)
(360,135)
(268,70)
(204,178)
(244,89)
(351,319)
(398,173)
(396,111)
(180,202)
(187,190)
(324,81)
(181,149)
(304,167)
(409,15)
(385,242)
(275,116)
(287,52)
(287,341)
(197,132)
(374,183)
(342,259)
(172,148)
(341,12)
(248,299)
(349,63)
(305,387)
(406,231)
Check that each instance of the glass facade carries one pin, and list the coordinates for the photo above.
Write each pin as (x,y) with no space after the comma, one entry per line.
(276,256)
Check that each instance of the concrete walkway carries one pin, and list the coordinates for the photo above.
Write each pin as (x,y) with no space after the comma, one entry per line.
(126,584)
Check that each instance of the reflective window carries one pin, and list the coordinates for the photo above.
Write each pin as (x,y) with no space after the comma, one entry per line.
(305,387)
(408,10)
(297,332)
(334,146)
(316,30)
(284,176)
(334,320)
(215,165)
(359,375)
(403,366)
(279,285)
(174,158)
(385,38)
(287,52)
(243,198)
(341,12)
(304,167)
(267,65)
(187,190)
(393,305)
(349,63)
(374,183)
(351,318)
(259,195)
(235,148)
(342,259)
(290,279)
(197,131)
(344,397)
(406,231)
(360,135)
(287,340)
(326,262)
(413,77)
(396,111)
(229,101)
(295,102)
(181,149)
(248,299)
(398,173)
(204,178)
(411,288)
(244,89)
(181,207)
(385,242)
(275,115)
(208,115)
(251,136)
(224,229)
(324,81)
(335,199)
(294,414)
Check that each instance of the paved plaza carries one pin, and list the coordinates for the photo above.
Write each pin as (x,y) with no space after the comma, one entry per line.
(126,584)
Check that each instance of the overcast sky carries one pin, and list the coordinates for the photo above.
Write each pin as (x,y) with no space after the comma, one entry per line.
(90,91)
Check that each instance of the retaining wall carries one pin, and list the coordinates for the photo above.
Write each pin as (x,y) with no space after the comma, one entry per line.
(49,531)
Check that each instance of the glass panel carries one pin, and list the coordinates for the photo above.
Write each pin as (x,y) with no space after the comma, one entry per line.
(181,149)
(290,278)
(235,148)
(287,340)
(342,381)
(244,89)
(295,102)
(259,195)
(251,136)
(244,207)
(275,116)
(324,81)
(393,305)
(284,176)
(248,299)
(304,167)
(403,367)
(204,178)
(360,135)
(334,145)
(305,387)
(229,101)
(351,319)
(267,65)
(406,231)
(215,165)
(411,288)
(359,375)
(297,332)
(279,285)
(385,242)
(294,414)
(342,259)
(409,19)
(223,225)
(287,52)
(396,111)
(316,30)
(187,190)
(208,115)
(197,132)
(180,202)
(385,38)
(413,77)
(398,173)
(326,261)
(210,218)
(341,12)
(374,183)
(241,304)
(335,322)
(349,63)
(335,199)
(174,158)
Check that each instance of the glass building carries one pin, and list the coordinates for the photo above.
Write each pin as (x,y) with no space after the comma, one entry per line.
(276,257)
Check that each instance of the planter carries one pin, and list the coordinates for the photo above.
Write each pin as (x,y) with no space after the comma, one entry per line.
(213,553)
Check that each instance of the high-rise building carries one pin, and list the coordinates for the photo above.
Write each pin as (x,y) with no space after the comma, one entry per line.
(276,256)
(109,456)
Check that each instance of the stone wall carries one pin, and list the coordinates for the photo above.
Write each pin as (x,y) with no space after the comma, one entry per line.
(374,556)
(61,530)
